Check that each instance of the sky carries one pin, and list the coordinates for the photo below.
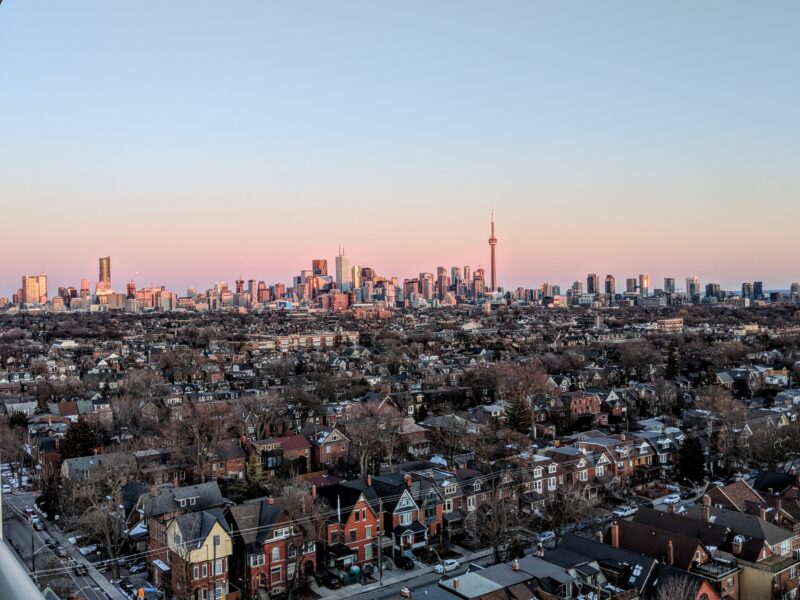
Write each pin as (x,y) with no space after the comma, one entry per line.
(199,141)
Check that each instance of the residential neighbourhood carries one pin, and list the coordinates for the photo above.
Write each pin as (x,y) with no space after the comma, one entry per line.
(410,442)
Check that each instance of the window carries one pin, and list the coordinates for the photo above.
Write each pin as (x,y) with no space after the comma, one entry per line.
(195,572)
(309,548)
(177,539)
(448,506)
(476,486)
(405,518)
(276,554)
(551,468)
(182,503)
(204,568)
(551,484)
(218,567)
(793,572)
(357,514)
(192,501)
(471,503)
(537,485)
(203,594)
(368,552)
(450,489)
(292,551)
(353,537)
(729,582)
(600,471)
(276,574)
(334,537)
(256,560)
(280,533)
(216,541)
(537,472)
(583,475)
(368,532)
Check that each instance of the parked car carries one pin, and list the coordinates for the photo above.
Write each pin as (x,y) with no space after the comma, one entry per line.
(450,564)
(137,568)
(329,580)
(717,483)
(688,495)
(624,511)
(50,543)
(38,525)
(404,562)
(81,569)
(86,550)
(545,537)
(648,504)
(61,551)
(6,488)
(672,499)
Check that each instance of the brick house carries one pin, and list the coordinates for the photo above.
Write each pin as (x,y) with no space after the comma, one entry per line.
(268,548)
(329,445)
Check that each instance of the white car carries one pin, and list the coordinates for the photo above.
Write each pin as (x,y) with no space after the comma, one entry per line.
(6,488)
(624,511)
(672,499)
(86,550)
(448,565)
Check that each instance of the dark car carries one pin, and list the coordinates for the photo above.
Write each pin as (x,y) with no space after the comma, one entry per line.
(403,562)
(81,570)
(329,580)
(687,495)
(50,543)
(61,552)
(648,504)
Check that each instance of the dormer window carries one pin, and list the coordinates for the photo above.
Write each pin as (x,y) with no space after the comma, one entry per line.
(537,472)
(182,503)
(450,489)
(476,486)
(192,501)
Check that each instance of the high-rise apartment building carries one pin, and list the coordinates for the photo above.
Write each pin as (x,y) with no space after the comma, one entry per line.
(747,290)
(344,276)
(592,283)
(105,270)
(669,285)
(758,290)
(467,278)
(630,285)
(611,285)
(713,291)
(34,289)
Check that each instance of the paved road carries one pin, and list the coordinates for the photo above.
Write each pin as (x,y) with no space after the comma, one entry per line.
(17,530)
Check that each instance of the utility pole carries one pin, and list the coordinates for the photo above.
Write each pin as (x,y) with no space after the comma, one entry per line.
(33,549)
(380,547)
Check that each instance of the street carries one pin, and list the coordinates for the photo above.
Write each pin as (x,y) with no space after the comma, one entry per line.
(17,531)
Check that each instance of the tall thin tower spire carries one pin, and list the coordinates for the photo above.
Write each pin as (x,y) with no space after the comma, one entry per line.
(492,244)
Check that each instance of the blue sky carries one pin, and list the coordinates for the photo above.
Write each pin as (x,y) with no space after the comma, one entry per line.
(197,141)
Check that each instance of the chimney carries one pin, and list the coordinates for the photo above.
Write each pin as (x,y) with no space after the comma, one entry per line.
(405,593)
(455,583)
(600,535)
(736,546)
(58,442)
(770,491)
(615,534)
(313,490)
(408,480)
(175,482)
(670,553)
(369,480)
(540,550)
(270,500)
(515,565)
(762,512)
(706,508)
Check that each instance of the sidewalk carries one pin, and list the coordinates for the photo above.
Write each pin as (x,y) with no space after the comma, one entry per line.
(394,578)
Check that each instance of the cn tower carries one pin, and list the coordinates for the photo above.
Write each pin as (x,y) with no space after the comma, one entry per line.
(492,244)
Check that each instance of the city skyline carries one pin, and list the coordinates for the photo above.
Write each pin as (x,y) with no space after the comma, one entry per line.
(201,146)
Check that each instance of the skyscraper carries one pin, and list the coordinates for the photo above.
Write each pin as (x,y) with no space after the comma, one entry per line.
(319,266)
(669,285)
(747,290)
(492,244)
(104,281)
(758,290)
(693,289)
(592,283)
(344,277)
(644,284)
(34,289)
(630,285)
(611,285)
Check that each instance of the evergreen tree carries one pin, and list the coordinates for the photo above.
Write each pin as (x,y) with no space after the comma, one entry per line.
(80,440)
(690,460)
(673,363)
(518,413)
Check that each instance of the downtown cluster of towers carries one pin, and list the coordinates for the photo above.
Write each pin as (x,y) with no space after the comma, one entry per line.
(356,285)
